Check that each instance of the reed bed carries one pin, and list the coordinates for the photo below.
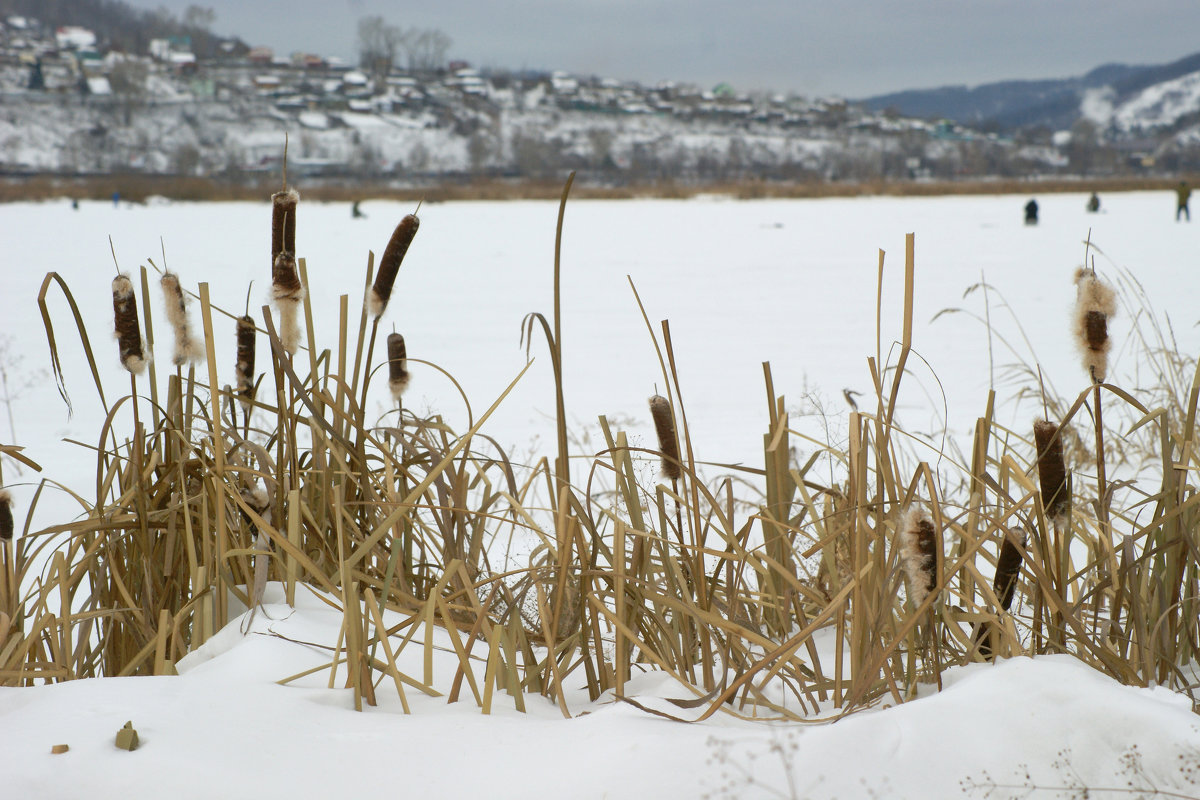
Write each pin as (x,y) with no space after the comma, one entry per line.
(768,591)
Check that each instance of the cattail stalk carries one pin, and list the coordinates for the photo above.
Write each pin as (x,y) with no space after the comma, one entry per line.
(389,264)
(128,329)
(187,348)
(6,517)
(1008,567)
(287,292)
(1052,470)
(1004,586)
(918,554)
(283,222)
(668,445)
(245,361)
(397,365)
(1095,303)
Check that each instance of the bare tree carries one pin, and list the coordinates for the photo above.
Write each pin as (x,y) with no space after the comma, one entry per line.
(378,43)
(200,17)
(426,49)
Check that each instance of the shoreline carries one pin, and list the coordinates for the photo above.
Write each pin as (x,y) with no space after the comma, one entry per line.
(138,188)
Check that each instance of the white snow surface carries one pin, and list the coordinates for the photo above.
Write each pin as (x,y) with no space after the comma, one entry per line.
(790,282)
(225,728)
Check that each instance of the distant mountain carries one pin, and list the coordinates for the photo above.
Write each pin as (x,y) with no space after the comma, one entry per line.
(1053,103)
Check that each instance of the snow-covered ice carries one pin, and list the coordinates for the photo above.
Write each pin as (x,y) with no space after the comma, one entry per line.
(790,282)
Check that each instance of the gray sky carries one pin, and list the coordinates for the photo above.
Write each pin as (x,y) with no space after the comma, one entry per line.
(852,48)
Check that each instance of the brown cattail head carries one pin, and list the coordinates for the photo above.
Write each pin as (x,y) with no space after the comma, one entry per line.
(389,265)
(668,445)
(245,360)
(288,293)
(186,347)
(283,222)
(397,365)
(285,279)
(1096,302)
(128,329)
(6,517)
(1008,567)
(918,553)
(1052,469)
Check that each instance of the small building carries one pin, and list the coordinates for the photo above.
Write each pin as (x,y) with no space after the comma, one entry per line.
(73,37)
(260,55)
(99,86)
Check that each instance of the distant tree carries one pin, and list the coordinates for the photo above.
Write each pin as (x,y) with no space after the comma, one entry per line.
(200,17)
(426,49)
(378,45)
(479,150)
(185,159)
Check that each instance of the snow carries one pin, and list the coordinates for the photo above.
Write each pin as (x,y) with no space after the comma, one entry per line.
(790,282)
(1160,105)
(225,728)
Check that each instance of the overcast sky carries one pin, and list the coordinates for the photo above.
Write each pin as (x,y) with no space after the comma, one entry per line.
(853,48)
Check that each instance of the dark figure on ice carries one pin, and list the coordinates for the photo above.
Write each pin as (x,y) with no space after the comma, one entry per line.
(116,199)
(1031,212)
(356,212)
(1182,193)
(1093,204)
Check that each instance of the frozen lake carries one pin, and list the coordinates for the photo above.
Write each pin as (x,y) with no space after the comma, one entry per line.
(792,282)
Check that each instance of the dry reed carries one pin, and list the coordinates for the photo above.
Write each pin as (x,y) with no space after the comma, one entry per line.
(128,329)
(668,444)
(389,264)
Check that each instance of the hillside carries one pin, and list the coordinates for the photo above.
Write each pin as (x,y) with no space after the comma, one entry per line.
(1055,103)
(93,87)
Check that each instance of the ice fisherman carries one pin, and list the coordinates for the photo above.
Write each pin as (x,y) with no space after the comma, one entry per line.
(1182,193)
(1031,212)
(1093,203)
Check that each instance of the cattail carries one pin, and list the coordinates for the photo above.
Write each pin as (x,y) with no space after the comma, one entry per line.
(1096,302)
(389,265)
(397,365)
(664,425)
(918,554)
(1052,469)
(6,517)
(129,331)
(1004,585)
(186,347)
(285,280)
(245,360)
(1008,567)
(288,292)
(283,222)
